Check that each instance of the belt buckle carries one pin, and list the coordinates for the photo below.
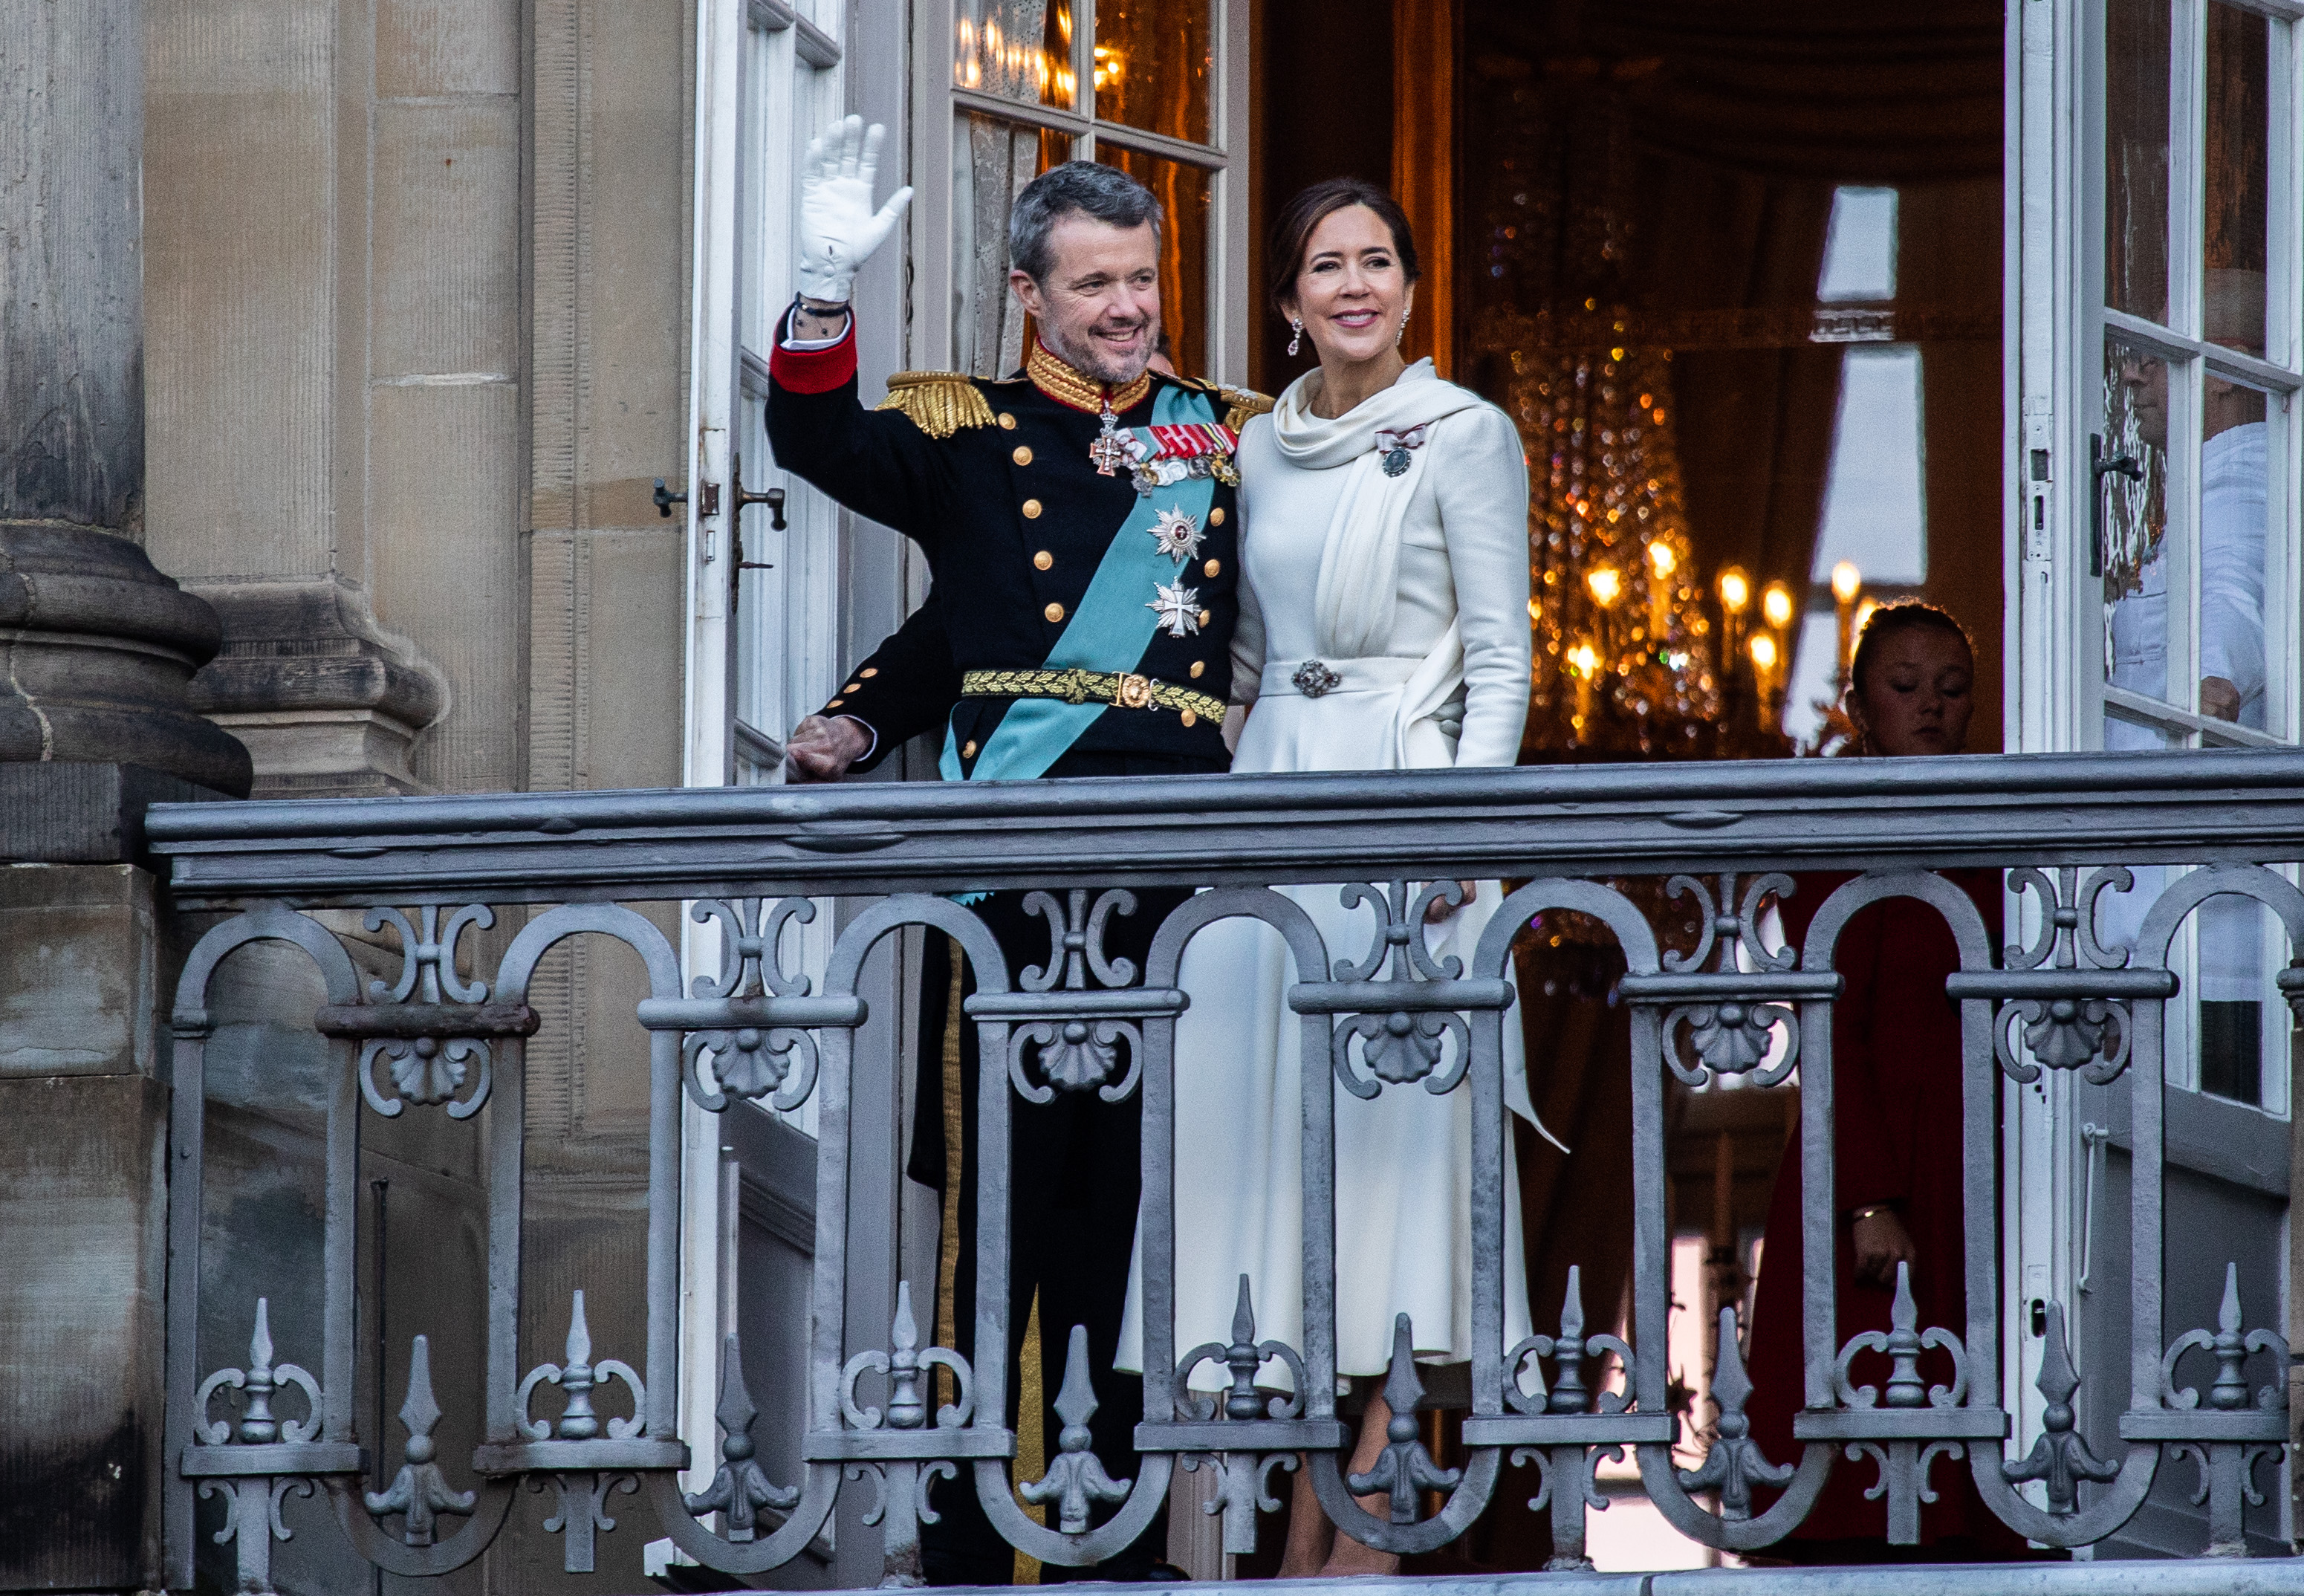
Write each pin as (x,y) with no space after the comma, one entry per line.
(1133,691)
(1314,679)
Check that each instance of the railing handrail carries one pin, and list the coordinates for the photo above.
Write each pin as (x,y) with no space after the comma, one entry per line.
(2198,806)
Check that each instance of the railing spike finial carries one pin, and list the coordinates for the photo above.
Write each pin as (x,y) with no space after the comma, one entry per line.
(1735,1463)
(2059,1457)
(1075,1474)
(420,1491)
(737,1489)
(1404,1469)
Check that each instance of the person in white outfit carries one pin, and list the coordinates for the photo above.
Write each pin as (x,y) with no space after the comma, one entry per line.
(1383,625)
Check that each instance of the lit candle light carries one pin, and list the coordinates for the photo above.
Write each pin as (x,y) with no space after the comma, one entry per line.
(1847,582)
(1776,605)
(1661,564)
(1764,676)
(1606,583)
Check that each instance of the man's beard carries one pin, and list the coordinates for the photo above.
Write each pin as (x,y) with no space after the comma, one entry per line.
(1089,357)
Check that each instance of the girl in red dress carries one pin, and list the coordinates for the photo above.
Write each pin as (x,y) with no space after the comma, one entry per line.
(1896,1144)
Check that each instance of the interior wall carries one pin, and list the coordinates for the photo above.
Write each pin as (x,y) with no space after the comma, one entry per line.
(1323,108)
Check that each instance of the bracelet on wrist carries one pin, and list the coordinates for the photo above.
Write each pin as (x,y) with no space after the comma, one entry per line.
(1872,1211)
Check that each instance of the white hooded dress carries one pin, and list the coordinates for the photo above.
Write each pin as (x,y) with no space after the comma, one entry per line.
(1412,591)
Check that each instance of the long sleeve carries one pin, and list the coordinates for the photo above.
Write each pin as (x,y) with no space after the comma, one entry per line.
(1247,646)
(1481,483)
(2233,506)
(876,463)
(907,686)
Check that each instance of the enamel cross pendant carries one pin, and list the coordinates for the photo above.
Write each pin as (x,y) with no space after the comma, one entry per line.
(1178,609)
(1109,451)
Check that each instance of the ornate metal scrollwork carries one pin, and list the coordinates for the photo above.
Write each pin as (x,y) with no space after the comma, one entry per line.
(1735,1463)
(905,1365)
(750,1061)
(1080,1051)
(420,1493)
(1075,1476)
(1568,1352)
(258,1385)
(252,1501)
(1730,1036)
(2082,1031)
(739,1489)
(578,1378)
(1903,1462)
(1403,1470)
(2060,1457)
(2228,1462)
(1408,1044)
(1243,1487)
(429,1069)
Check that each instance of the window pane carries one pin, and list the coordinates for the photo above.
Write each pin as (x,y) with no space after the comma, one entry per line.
(2235,183)
(1018,49)
(2136,158)
(1183,193)
(992,160)
(2135,523)
(1152,65)
(2234,481)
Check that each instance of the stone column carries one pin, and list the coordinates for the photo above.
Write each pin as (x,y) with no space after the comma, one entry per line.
(95,646)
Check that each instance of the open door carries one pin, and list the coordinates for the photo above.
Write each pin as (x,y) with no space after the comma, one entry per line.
(2152,578)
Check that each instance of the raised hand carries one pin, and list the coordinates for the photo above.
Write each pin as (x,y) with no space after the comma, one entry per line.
(838,227)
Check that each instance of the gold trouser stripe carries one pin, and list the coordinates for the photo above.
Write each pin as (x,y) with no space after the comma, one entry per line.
(1031,1433)
(947,1312)
(1081,686)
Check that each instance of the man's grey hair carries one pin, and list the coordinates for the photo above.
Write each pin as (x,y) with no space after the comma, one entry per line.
(1083,187)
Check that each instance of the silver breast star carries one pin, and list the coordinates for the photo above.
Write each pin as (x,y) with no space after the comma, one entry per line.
(1178,607)
(1177,534)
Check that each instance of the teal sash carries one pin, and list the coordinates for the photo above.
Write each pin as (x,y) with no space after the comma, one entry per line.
(1109,631)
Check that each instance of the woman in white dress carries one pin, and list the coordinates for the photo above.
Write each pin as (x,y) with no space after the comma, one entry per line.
(1383,625)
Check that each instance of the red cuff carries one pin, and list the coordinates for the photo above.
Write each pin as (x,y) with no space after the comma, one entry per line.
(814,370)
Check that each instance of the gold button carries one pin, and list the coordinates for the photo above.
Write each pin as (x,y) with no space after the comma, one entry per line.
(1023,454)
(1188,718)
(1216,516)
(1007,421)
(1214,567)
(869,672)
(1043,560)
(968,749)
(1054,612)
(1032,509)
(853,687)
(1203,617)
(836,704)
(1198,666)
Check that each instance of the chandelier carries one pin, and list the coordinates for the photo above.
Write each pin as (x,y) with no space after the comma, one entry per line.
(1625,655)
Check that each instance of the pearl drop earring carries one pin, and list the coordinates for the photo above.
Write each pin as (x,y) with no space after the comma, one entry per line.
(1297,341)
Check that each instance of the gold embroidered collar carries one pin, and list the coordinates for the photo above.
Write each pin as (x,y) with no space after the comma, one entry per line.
(1060,382)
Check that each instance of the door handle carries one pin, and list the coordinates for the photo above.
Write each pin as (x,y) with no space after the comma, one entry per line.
(773,498)
(2099,468)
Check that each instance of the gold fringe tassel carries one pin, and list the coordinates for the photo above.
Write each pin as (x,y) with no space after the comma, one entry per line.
(1245,406)
(947,1312)
(939,402)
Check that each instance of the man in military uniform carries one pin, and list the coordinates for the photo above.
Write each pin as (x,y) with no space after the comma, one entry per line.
(1080,530)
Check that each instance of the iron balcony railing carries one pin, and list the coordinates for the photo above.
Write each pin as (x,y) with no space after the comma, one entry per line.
(2066,829)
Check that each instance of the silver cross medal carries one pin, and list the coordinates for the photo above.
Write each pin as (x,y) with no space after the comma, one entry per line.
(1109,450)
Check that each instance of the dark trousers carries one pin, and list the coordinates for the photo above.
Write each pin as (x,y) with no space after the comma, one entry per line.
(1074,1176)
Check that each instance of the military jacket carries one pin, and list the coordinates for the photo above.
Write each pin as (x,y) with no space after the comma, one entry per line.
(993,478)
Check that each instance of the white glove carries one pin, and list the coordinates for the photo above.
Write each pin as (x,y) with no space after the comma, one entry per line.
(838,227)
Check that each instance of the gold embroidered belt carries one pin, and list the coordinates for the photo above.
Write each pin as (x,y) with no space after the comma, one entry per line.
(1126,691)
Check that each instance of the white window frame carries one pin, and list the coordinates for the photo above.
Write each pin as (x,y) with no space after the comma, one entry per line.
(1225,157)
(2055,323)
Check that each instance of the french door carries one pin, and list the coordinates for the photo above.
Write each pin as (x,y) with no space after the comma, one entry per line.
(2152,564)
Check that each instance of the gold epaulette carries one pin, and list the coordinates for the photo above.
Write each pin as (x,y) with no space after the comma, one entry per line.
(939,402)
(1244,403)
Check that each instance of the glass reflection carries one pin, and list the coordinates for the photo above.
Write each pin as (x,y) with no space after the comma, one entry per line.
(1018,49)
(1183,193)
(2136,158)
(1152,65)
(2233,482)
(2135,523)
(992,161)
(2236,179)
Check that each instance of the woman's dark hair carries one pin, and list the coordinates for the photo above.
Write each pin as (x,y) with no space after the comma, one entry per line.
(1292,230)
(1911,615)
